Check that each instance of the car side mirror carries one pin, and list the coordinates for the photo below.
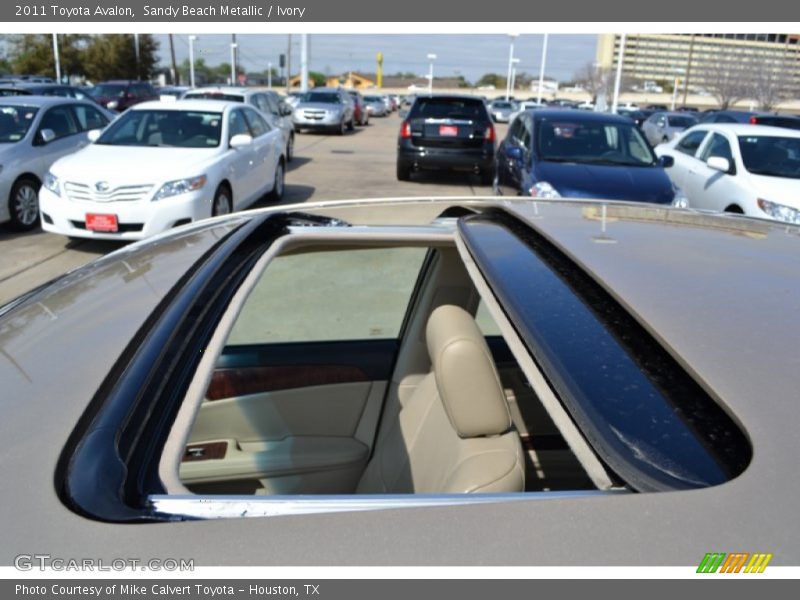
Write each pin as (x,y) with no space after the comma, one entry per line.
(47,135)
(666,161)
(514,152)
(241,140)
(719,163)
(286,110)
(94,135)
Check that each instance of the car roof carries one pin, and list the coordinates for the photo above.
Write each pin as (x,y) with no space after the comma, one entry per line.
(40,101)
(186,105)
(224,89)
(747,129)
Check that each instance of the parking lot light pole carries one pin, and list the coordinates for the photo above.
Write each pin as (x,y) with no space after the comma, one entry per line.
(304,62)
(618,79)
(57,58)
(515,62)
(512,36)
(269,75)
(192,39)
(233,64)
(431,58)
(541,71)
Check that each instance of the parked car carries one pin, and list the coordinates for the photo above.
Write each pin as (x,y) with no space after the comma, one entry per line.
(746,169)
(205,376)
(121,95)
(447,132)
(661,127)
(277,113)
(753,118)
(557,153)
(360,112)
(525,105)
(172,92)
(375,106)
(329,109)
(163,164)
(44,89)
(501,110)
(637,116)
(35,131)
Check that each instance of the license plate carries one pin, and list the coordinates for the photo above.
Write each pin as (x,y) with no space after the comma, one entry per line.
(97,222)
(448,130)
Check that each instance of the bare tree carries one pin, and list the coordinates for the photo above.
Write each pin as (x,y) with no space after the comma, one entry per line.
(771,80)
(595,80)
(729,79)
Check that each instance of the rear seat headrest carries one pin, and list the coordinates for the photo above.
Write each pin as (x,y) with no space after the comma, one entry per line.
(465,374)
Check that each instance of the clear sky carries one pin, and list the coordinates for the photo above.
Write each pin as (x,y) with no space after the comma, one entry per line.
(470,55)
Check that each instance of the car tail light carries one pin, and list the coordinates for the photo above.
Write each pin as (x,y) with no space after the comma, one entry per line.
(753,120)
(489,135)
(405,130)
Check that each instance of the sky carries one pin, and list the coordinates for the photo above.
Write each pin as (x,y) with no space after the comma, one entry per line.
(470,55)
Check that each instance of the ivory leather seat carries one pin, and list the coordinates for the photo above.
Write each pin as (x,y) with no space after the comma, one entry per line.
(454,434)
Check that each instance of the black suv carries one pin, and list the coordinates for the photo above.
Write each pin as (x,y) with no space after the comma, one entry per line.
(447,132)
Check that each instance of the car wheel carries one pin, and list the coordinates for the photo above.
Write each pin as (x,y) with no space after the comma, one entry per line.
(278,184)
(487,177)
(403,172)
(342,127)
(290,149)
(734,209)
(222,202)
(351,125)
(23,204)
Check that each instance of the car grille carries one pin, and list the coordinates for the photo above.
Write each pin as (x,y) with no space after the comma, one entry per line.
(80,192)
(314,115)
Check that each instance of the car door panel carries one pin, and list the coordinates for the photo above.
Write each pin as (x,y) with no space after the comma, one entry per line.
(292,417)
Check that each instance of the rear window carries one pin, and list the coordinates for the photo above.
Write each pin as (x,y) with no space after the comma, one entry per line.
(684,122)
(448,108)
(214,96)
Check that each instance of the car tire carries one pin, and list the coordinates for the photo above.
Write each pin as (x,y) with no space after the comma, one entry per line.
(487,177)
(290,149)
(223,203)
(278,184)
(403,171)
(734,209)
(23,204)
(342,128)
(351,125)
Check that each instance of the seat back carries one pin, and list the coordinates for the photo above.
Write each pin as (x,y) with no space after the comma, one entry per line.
(454,433)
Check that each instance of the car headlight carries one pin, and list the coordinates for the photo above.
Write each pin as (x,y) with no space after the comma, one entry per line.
(51,183)
(543,190)
(180,186)
(679,200)
(780,212)
(112,105)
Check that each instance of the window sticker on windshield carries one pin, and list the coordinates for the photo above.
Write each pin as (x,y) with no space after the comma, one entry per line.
(28,116)
(750,140)
(565,130)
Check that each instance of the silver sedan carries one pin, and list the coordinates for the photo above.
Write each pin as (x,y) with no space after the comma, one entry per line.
(664,126)
(35,131)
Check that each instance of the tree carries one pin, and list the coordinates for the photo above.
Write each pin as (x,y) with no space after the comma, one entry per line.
(728,79)
(595,80)
(498,81)
(319,79)
(33,54)
(113,56)
(770,80)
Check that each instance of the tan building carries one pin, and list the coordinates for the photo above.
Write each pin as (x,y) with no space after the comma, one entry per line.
(694,59)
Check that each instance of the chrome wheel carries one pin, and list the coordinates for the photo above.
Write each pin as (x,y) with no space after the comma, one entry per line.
(222,203)
(278,186)
(290,149)
(24,204)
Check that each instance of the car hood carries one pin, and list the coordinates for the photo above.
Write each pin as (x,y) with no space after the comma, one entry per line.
(605,182)
(777,189)
(121,165)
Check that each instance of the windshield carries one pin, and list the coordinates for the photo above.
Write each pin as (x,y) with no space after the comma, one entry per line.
(502,105)
(15,122)
(771,156)
(593,143)
(323,97)
(164,128)
(107,90)
(682,122)
(214,96)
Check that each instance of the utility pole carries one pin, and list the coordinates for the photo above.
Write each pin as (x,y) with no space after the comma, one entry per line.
(136,52)
(289,64)
(304,62)
(192,39)
(234,46)
(176,79)
(57,58)
(541,71)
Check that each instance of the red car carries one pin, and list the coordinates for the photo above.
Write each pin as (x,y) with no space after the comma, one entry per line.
(121,95)
(360,114)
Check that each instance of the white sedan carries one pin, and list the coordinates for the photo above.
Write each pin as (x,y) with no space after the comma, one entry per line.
(746,169)
(161,165)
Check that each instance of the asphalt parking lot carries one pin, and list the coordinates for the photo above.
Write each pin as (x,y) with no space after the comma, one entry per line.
(360,164)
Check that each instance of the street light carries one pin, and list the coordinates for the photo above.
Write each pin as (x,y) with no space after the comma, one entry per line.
(541,71)
(619,73)
(678,72)
(512,36)
(233,63)
(514,62)
(269,75)
(192,39)
(57,58)
(431,58)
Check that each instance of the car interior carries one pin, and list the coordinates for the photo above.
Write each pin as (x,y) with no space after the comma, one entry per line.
(315,391)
